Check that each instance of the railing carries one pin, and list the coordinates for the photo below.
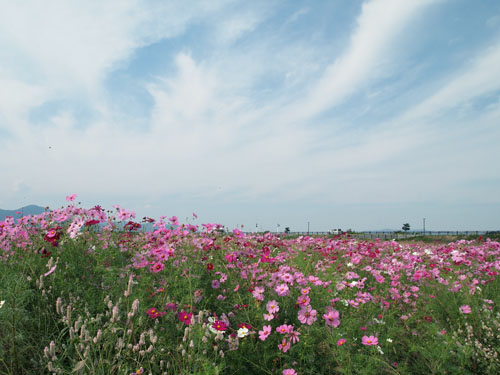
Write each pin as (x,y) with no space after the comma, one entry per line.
(397,235)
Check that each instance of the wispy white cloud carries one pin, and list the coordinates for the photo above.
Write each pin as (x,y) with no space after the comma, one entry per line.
(378,25)
(473,80)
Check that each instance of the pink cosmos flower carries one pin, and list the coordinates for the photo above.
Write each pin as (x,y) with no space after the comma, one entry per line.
(258,293)
(281,290)
(331,317)
(284,328)
(266,331)
(215,284)
(305,290)
(465,309)
(157,267)
(303,300)
(272,307)
(369,340)
(294,336)
(268,317)
(71,198)
(341,342)
(231,257)
(289,371)
(284,345)
(307,315)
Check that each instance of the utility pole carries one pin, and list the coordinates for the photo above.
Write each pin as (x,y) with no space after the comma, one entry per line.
(308,228)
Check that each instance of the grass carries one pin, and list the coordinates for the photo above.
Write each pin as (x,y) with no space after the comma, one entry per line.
(81,301)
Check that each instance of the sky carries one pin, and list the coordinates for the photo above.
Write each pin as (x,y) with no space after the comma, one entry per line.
(348,114)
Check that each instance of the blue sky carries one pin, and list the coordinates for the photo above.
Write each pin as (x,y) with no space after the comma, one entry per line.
(340,113)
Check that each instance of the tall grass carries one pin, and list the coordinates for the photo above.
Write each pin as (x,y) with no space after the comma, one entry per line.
(176,300)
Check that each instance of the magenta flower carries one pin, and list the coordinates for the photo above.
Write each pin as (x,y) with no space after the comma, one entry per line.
(154,313)
(465,309)
(341,342)
(185,317)
(219,326)
(272,307)
(289,371)
(266,331)
(369,340)
(307,315)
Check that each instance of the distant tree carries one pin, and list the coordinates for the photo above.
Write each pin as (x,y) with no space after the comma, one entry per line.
(287,230)
(406,227)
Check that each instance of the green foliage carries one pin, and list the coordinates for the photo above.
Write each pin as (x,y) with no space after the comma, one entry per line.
(88,315)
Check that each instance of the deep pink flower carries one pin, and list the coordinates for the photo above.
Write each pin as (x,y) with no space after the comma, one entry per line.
(219,326)
(369,340)
(153,313)
(289,371)
(185,317)
(341,342)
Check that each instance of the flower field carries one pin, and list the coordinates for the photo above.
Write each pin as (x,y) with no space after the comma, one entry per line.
(88,291)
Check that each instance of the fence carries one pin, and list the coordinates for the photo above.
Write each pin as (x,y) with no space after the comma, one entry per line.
(399,235)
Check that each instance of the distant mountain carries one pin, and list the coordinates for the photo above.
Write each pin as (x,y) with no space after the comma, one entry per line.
(23,211)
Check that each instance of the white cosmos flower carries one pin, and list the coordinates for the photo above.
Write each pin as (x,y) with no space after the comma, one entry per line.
(1,304)
(242,332)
